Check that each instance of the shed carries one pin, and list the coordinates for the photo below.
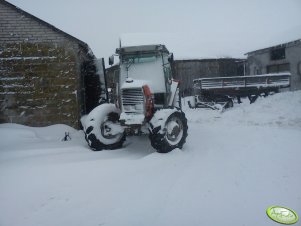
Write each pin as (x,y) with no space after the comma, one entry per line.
(189,69)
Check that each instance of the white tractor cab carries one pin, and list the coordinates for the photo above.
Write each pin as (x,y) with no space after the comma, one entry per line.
(148,101)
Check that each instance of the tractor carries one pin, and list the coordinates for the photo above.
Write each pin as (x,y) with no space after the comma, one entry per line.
(148,102)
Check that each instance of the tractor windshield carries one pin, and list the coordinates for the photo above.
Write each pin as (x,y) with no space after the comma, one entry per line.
(134,59)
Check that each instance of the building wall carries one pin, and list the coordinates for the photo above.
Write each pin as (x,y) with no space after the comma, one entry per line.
(188,70)
(40,71)
(259,61)
(294,58)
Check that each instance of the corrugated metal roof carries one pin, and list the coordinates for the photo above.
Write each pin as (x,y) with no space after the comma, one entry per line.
(287,44)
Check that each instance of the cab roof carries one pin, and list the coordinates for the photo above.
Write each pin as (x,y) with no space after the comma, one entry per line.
(142,49)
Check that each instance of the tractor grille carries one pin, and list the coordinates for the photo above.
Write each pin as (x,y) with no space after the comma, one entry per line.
(133,100)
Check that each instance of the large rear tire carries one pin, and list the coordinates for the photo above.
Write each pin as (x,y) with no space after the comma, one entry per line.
(102,130)
(170,134)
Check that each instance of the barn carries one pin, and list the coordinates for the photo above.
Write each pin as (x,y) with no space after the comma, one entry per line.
(187,70)
(46,75)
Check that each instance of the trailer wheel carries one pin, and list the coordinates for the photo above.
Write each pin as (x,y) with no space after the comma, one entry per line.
(229,103)
(102,130)
(252,98)
(171,134)
(192,102)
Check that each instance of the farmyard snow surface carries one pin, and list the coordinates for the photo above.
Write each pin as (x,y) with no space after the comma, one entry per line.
(233,166)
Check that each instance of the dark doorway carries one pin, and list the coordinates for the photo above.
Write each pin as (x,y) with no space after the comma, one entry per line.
(93,86)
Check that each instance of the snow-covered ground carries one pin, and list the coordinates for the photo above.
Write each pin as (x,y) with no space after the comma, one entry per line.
(234,166)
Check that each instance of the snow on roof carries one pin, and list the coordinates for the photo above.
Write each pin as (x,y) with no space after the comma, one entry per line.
(142,48)
(287,44)
(45,23)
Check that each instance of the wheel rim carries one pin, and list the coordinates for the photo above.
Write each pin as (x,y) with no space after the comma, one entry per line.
(106,129)
(174,130)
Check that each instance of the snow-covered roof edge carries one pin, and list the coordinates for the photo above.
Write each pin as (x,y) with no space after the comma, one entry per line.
(44,23)
(287,44)
(208,58)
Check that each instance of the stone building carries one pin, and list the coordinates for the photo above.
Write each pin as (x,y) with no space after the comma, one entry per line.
(188,70)
(46,75)
(281,58)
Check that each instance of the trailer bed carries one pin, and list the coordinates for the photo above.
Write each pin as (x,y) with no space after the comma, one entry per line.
(280,80)
(222,90)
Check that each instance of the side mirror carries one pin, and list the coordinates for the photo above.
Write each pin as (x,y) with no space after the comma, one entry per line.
(111,60)
(170,58)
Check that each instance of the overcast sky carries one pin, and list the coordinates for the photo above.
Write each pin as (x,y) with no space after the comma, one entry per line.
(190,28)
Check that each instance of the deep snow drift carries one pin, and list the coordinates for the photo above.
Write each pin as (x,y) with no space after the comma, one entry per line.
(234,166)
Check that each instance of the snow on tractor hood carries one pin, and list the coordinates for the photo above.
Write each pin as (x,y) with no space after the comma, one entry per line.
(134,83)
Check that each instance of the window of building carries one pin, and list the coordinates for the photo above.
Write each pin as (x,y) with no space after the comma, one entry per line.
(278,54)
(277,68)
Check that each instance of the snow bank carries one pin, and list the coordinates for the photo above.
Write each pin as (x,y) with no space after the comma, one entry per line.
(14,134)
(280,110)
(233,166)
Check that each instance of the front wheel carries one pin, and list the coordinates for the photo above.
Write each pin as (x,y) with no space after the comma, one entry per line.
(102,130)
(168,130)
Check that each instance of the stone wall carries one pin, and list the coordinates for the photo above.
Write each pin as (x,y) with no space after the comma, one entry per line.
(38,85)
(41,77)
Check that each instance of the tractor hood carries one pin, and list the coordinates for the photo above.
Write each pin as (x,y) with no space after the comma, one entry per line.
(134,83)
